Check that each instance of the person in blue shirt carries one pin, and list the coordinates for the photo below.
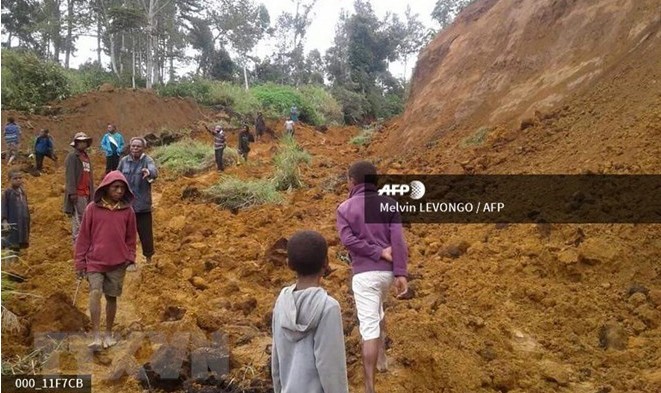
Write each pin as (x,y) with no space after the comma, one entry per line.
(112,144)
(140,171)
(12,139)
(293,113)
(44,147)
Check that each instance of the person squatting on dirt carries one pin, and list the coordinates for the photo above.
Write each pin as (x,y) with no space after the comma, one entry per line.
(112,144)
(15,214)
(79,181)
(378,256)
(307,354)
(105,246)
(44,147)
(12,139)
(140,171)
(245,137)
(219,144)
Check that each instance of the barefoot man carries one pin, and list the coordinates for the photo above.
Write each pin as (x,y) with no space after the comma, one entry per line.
(378,258)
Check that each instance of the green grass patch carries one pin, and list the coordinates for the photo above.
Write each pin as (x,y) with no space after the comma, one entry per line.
(287,173)
(364,138)
(234,194)
(185,157)
(477,139)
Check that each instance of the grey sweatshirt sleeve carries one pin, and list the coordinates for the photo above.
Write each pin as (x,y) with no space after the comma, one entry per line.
(275,364)
(329,353)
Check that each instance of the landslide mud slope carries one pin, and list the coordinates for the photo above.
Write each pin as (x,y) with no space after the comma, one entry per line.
(504,62)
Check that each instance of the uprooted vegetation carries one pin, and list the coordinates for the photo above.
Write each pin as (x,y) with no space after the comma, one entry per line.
(235,194)
(188,157)
(287,173)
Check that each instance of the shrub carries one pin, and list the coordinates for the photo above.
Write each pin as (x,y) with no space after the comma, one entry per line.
(185,157)
(234,96)
(477,138)
(28,82)
(363,138)
(354,106)
(88,77)
(276,100)
(321,106)
(198,89)
(289,156)
(234,194)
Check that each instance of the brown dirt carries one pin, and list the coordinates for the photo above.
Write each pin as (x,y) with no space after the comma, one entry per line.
(135,112)
(518,308)
(58,315)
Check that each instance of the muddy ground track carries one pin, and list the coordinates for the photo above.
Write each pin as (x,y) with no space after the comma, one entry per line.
(513,308)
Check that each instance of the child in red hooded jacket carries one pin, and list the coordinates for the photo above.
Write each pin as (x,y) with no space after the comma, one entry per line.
(104,248)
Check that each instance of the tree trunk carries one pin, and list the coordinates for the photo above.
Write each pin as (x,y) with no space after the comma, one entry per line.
(120,57)
(171,50)
(9,40)
(133,62)
(98,41)
(245,75)
(69,42)
(57,37)
(113,61)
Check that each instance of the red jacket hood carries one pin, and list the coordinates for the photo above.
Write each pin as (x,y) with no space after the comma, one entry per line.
(107,180)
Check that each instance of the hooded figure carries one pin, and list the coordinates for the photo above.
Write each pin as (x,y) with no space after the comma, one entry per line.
(306,357)
(107,238)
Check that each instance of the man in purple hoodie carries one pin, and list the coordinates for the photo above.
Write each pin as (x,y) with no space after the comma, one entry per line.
(378,257)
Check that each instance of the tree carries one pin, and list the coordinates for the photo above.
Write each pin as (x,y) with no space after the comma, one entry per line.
(413,37)
(243,24)
(290,35)
(337,56)
(18,18)
(446,10)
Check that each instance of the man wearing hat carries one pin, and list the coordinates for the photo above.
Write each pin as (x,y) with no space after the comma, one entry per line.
(79,183)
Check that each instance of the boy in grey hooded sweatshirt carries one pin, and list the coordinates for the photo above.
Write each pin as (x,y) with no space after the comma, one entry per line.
(308,340)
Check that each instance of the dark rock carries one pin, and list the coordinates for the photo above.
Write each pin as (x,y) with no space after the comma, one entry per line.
(277,253)
(612,336)
(190,192)
(173,313)
(637,288)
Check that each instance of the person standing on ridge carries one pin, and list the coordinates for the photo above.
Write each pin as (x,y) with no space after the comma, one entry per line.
(219,144)
(15,214)
(379,256)
(245,137)
(12,139)
(140,171)
(79,182)
(112,144)
(260,126)
(293,113)
(289,127)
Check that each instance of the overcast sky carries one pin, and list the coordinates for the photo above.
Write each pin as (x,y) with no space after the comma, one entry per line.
(320,33)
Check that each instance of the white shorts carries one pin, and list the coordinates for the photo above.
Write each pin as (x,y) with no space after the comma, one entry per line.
(370,290)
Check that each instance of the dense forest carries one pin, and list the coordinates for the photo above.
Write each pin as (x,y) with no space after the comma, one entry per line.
(154,44)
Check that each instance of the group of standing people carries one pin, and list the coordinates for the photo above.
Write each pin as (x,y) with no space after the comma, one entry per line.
(308,351)
(105,221)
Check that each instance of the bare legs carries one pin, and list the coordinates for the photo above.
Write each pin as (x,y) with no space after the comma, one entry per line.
(374,357)
(95,313)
